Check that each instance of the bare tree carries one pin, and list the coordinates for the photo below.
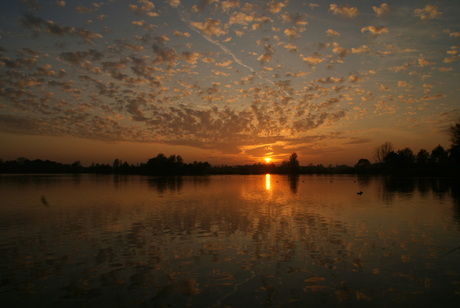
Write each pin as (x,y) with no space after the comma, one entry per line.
(383,150)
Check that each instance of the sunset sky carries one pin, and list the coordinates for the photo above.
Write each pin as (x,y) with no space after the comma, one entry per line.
(228,82)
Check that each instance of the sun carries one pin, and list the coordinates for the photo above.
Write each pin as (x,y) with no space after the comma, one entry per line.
(268,159)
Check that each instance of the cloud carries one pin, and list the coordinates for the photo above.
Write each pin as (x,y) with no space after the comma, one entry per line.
(202,5)
(345,10)
(313,121)
(84,9)
(361,49)
(428,12)
(240,18)
(313,59)
(224,64)
(139,23)
(164,54)
(339,50)
(432,97)
(181,34)
(354,78)
(453,53)
(77,57)
(32,5)
(399,68)
(143,7)
(332,33)
(375,30)
(275,7)
(19,124)
(292,48)
(230,4)
(381,10)
(174,3)
(358,140)
(38,25)
(329,79)
(201,87)
(133,108)
(210,27)
(421,61)
(291,33)
(297,19)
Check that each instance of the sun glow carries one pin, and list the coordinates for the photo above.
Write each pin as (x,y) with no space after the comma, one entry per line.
(267,159)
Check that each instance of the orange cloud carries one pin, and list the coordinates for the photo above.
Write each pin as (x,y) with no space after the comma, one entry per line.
(275,7)
(375,30)
(209,27)
(332,33)
(381,10)
(428,12)
(350,12)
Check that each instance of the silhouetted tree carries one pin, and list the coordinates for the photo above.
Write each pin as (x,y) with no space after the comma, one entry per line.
(423,157)
(363,163)
(76,167)
(401,160)
(362,166)
(293,163)
(391,159)
(455,133)
(162,165)
(439,155)
(382,151)
(406,157)
(454,151)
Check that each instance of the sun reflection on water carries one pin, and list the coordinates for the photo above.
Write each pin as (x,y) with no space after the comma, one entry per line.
(268,182)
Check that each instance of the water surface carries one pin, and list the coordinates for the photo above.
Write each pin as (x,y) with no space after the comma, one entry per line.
(228,241)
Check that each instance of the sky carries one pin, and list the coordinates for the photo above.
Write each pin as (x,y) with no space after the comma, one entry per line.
(226,81)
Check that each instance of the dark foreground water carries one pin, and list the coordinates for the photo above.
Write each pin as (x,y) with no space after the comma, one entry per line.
(228,241)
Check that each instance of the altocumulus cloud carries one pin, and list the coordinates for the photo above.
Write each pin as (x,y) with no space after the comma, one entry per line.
(227,75)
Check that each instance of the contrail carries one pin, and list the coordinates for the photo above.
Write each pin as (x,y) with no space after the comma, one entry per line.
(182,13)
(222,47)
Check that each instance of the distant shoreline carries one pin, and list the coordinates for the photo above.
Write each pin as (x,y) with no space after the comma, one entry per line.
(176,167)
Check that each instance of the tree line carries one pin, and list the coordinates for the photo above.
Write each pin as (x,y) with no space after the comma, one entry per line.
(159,165)
(438,162)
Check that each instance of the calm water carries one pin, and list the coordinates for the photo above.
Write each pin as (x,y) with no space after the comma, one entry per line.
(221,241)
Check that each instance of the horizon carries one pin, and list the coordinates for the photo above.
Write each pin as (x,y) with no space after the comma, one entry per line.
(226,82)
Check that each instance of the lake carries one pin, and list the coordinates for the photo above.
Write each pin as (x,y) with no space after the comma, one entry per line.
(228,241)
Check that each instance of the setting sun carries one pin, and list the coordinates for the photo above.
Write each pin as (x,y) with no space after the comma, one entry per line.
(267,159)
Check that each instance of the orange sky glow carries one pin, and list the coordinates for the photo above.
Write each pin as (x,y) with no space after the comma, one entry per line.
(226,81)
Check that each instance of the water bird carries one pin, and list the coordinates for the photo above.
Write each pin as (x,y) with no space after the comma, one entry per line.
(359,193)
(44,201)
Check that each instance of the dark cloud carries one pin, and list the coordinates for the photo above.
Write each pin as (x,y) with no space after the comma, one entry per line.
(39,25)
(358,141)
(77,57)
(19,124)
